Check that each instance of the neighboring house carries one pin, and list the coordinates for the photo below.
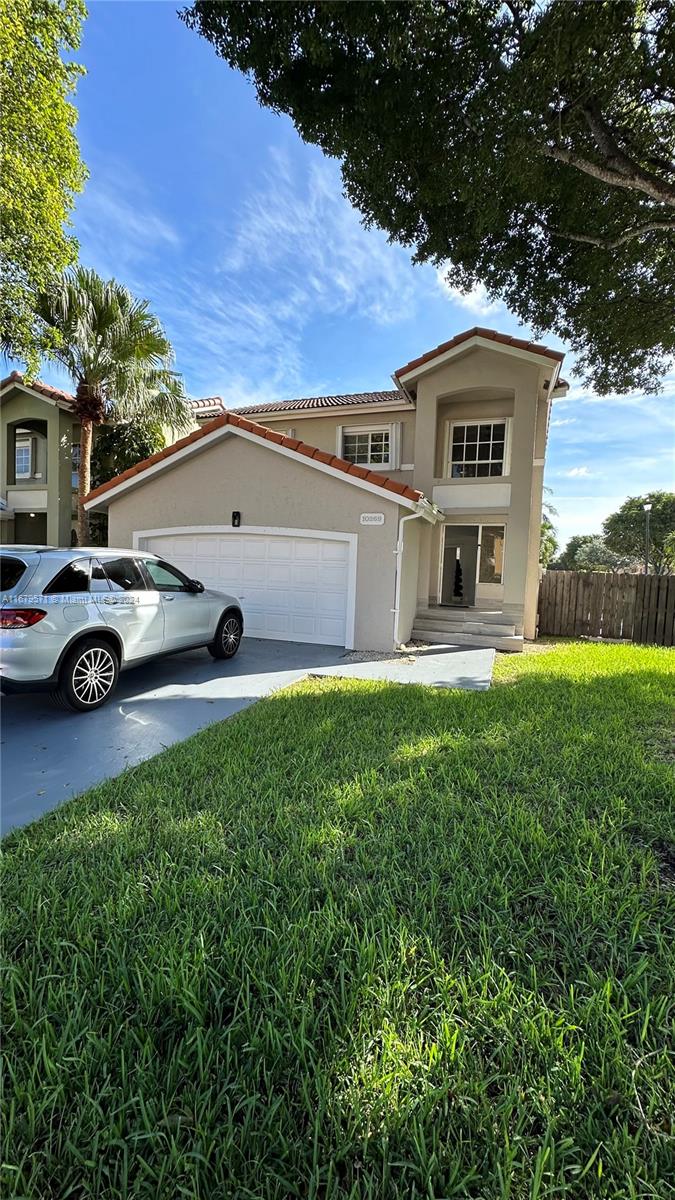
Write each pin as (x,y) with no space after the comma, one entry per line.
(40,460)
(39,463)
(360,520)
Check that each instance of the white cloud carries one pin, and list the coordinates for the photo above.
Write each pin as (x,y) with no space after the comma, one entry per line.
(119,226)
(476,301)
(564,421)
(240,310)
(577,473)
(303,238)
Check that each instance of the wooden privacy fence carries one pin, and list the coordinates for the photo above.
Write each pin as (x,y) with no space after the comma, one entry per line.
(637,608)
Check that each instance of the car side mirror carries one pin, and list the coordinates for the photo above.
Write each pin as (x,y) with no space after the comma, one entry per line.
(195,585)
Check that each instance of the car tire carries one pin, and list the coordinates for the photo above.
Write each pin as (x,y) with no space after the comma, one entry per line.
(228,636)
(88,676)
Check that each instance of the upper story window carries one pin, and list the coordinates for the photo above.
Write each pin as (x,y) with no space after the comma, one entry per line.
(477,451)
(367,447)
(23,458)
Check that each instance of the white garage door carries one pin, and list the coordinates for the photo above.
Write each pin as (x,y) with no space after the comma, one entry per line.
(291,588)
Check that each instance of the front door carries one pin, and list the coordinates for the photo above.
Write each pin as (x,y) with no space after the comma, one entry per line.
(460,558)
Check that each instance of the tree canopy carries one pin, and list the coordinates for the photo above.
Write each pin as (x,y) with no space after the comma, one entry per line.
(119,359)
(530,146)
(590,552)
(41,166)
(624,530)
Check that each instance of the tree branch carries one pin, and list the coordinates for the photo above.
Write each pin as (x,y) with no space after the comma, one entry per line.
(637,181)
(610,243)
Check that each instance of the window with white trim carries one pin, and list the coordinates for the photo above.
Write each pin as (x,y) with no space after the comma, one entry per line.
(367,447)
(23,458)
(477,450)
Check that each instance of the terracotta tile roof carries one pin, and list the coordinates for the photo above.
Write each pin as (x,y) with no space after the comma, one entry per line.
(269,435)
(491,335)
(311,402)
(36,385)
(207,406)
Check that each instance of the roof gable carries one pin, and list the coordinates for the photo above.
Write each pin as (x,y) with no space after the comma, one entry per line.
(479,336)
(37,388)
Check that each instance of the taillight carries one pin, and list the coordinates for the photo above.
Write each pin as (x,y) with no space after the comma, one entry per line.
(20,618)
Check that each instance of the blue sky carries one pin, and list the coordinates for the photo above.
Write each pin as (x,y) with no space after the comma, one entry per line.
(267,283)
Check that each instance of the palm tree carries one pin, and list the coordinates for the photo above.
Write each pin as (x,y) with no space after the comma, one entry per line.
(119,358)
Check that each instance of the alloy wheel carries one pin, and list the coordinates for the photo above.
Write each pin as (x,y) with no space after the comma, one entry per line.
(93,675)
(231,635)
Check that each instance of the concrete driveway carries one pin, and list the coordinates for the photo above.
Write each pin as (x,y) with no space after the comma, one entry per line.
(49,754)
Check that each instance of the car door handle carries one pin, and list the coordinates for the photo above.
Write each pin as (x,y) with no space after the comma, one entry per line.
(167,597)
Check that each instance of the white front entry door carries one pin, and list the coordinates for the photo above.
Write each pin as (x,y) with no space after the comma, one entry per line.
(291,588)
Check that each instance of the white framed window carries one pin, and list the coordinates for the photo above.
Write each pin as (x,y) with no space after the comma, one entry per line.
(370,445)
(478,449)
(23,460)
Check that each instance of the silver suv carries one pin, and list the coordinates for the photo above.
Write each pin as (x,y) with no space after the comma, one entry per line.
(71,620)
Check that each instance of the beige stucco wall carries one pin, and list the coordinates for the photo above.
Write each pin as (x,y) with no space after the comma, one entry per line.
(487,383)
(271,489)
(321,431)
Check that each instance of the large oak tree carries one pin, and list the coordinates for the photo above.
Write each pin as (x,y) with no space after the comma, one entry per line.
(528,145)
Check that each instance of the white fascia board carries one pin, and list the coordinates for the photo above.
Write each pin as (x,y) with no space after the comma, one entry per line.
(475,342)
(202,443)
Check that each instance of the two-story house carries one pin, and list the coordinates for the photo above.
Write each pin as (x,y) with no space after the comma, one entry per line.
(363,519)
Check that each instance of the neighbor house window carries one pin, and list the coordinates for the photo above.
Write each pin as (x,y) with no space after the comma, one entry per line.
(491,569)
(477,451)
(75,465)
(23,459)
(367,447)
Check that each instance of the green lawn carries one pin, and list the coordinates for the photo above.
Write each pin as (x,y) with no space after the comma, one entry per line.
(361,941)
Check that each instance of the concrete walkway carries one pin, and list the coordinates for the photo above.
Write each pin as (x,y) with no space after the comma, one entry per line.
(446,667)
(49,755)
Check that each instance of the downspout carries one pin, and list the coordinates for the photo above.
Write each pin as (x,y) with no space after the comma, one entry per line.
(415,516)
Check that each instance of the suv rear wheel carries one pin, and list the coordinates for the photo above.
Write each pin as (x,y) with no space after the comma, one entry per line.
(88,676)
(228,636)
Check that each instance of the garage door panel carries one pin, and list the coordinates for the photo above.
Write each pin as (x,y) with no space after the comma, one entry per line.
(290,588)
(335,552)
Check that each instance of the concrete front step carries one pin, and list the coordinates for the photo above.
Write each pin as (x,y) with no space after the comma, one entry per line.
(446,637)
(484,628)
(442,614)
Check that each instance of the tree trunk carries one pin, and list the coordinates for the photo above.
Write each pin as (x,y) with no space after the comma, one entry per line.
(84,481)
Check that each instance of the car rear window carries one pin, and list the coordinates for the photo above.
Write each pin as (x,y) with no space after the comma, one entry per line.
(125,575)
(11,570)
(72,578)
